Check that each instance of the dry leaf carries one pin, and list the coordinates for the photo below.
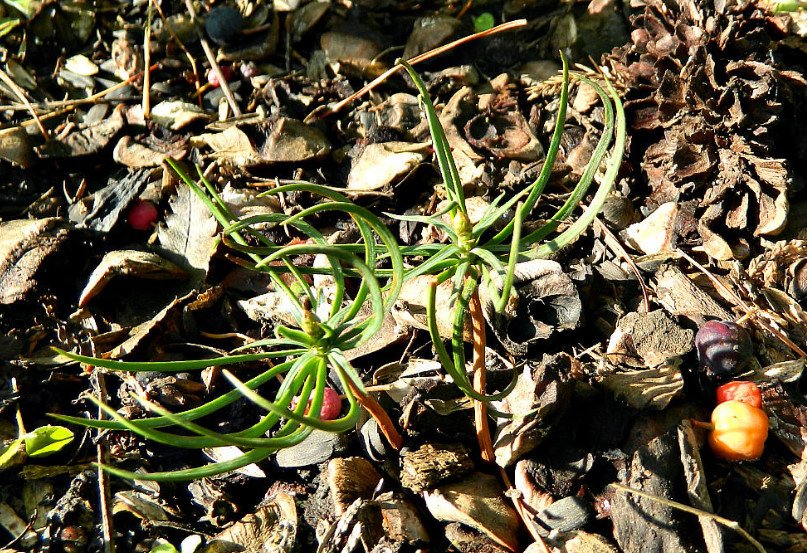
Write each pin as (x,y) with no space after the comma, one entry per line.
(410,309)
(287,141)
(133,154)
(133,263)
(477,502)
(189,233)
(650,388)
(272,528)
(680,296)
(24,246)
(16,147)
(89,140)
(540,397)
(545,302)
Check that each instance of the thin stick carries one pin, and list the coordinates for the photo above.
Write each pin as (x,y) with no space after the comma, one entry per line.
(182,47)
(146,103)
(510,25)
(214,65)
(20,93)
(104,494)
(464,9)
(379,414)
(70,105)
(693,511)
(480,407)
(15,390)
(523,512)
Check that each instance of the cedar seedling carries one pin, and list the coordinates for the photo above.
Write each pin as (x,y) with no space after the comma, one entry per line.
(476,256)
(327,326)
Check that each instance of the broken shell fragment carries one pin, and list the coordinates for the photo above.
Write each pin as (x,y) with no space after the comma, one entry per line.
(545,301)
(381,164)
(656,233)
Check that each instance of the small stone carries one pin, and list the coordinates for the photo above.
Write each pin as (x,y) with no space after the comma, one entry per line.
(317,448)
(564,515)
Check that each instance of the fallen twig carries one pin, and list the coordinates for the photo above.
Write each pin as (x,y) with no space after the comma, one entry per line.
(614,244)
(104,496)
(214,65)
(480,407)
(20,93)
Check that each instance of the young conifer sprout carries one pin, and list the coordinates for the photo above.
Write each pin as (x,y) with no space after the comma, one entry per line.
(474,256)
(312,349)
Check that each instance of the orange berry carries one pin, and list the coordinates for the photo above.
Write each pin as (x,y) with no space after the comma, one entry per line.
(739,431)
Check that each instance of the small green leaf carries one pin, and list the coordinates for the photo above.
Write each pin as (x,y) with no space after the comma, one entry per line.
(7,24)
(483,22)
(46,440)
(11,455)
(162,546)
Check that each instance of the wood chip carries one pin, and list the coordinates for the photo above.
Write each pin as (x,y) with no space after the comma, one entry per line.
(432,464)
(351,478)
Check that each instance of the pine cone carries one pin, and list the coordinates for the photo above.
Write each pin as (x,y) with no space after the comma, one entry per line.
(706,108)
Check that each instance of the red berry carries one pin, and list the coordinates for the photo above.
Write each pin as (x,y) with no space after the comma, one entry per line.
(213,79)
(740,390)
(142,215)
(331,405)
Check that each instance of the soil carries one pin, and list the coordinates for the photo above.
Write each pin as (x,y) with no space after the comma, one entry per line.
(705,221)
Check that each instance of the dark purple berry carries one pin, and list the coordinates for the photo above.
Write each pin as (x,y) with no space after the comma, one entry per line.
(222,24)
(724,349)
